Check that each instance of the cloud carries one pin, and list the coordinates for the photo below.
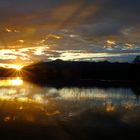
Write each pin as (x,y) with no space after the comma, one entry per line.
(62,25)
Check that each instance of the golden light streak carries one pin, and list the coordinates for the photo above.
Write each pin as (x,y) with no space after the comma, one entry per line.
(8,30)
(111,42)
(129,45)
(21,41)
(53,36)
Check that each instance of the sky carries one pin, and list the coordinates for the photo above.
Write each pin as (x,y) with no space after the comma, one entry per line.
(81,30)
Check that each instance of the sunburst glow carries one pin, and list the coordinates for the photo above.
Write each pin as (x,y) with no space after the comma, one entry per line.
(11,82)
(17,67)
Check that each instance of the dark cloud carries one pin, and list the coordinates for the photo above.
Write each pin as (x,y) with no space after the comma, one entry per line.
(99,20)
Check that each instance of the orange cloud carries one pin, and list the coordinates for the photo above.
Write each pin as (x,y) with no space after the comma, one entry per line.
(21,41)
(111,42)
(8,30)
(53,36)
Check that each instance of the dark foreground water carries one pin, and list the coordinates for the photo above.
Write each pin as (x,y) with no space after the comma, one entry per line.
(29,111)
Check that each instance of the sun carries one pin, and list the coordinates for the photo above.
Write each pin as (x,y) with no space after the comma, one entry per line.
(17,67)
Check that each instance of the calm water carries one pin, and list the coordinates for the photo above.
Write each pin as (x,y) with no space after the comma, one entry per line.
(21,101)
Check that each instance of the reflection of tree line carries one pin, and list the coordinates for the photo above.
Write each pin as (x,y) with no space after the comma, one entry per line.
(73,93)
(77,102)
(136,91)
(72,101)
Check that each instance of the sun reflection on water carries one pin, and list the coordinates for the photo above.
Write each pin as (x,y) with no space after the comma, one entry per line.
(11,82)
(110,108)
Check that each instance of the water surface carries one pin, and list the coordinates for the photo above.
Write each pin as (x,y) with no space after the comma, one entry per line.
(68,112)
(24,101)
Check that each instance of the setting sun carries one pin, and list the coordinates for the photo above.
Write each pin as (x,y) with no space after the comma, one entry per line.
(17,67)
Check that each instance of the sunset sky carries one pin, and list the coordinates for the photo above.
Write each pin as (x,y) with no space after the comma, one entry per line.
(82,30)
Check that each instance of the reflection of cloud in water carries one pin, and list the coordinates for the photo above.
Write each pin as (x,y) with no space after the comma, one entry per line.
(28,102)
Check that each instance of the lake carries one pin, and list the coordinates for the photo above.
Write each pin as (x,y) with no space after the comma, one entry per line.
(67,112)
